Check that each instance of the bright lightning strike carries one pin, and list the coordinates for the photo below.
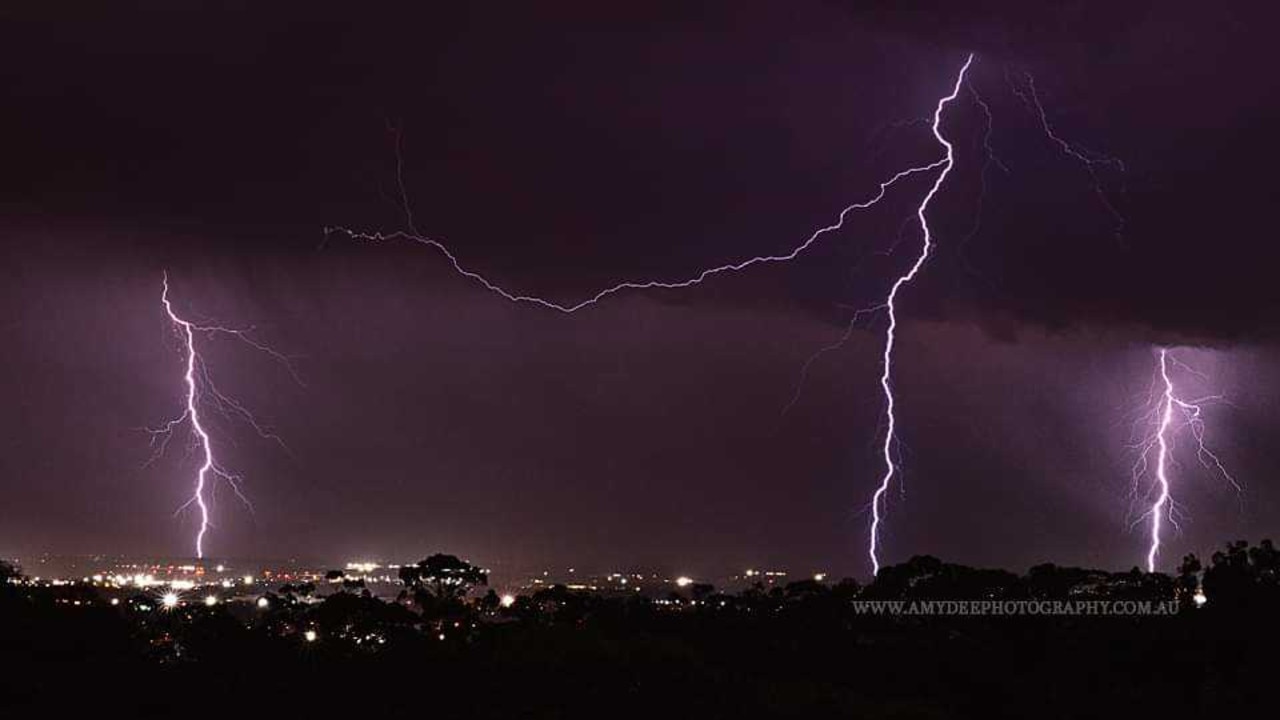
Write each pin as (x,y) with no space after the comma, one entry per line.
(413,235)
(200,389)
(192,413)
(1169,414)
(890,306)
(944,165)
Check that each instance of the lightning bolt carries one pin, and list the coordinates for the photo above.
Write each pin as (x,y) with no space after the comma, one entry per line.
(1170,413)
(696,279)
(990,158)
(1091,161)
(200,389)
(890,306)
(412,234)
(943,165)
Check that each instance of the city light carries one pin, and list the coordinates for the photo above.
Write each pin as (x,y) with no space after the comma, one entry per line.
(309,635)
(683,581)
(263,603)
(210,600)
(508,600)
(169,600)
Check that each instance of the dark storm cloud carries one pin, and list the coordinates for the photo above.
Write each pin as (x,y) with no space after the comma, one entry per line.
(1002,27)
(547,141)
(1174,91)
(564,147)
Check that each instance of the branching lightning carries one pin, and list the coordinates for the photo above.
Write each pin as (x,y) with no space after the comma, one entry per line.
(943,165)
(696,279)
(1091,161)
(859,314)
(1169,413)
(990,158)
(834,346)
(199,391)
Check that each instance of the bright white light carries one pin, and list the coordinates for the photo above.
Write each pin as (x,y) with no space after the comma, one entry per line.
(181,584)
(508,600)
(263,603)
(683,581)
(170,600)
(247,579)
(220,568)
(1199,598)
(210,600)
(310,635)
(441,636)
(819,577)
(115,601)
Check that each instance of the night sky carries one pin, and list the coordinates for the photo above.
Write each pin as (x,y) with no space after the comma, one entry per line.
(559,150)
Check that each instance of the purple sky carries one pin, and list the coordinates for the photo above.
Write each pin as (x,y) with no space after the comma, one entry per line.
(561,150)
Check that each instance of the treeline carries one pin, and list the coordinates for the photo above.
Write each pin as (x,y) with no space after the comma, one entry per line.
(450,647)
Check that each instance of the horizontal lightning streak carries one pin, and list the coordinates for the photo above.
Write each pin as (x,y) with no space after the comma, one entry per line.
(636,285)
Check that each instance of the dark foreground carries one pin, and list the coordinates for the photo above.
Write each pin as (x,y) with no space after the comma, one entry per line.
(807,650)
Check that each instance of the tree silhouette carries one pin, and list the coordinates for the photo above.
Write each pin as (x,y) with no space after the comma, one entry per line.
(1188,581)
(925,576)
(439,583)
(1242,577)
(8,572)
(292,593)
(701,591)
